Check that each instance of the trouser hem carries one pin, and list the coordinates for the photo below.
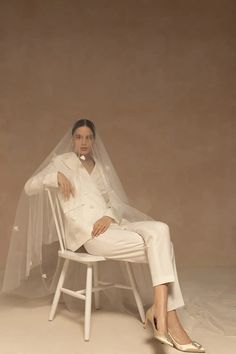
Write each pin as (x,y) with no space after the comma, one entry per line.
(175,306)
(163,281)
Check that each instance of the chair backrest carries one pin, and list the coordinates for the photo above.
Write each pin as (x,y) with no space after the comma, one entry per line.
(58,218)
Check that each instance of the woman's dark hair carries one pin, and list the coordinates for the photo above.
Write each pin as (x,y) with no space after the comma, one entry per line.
(84,123)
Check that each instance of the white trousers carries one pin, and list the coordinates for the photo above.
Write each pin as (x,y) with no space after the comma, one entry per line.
(142,242)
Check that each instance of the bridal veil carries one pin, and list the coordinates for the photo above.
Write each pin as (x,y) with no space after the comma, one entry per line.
(32,268)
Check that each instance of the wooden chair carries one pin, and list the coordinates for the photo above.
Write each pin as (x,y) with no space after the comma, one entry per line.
(93,283)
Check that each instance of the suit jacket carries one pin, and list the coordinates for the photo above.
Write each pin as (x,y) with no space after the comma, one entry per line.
(90,202)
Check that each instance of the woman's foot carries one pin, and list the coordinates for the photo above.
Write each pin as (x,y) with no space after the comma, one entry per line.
(179,336)
(176,328)
(169,321)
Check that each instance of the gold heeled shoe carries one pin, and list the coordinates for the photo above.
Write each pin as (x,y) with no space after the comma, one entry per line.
(162,337)
(193,347)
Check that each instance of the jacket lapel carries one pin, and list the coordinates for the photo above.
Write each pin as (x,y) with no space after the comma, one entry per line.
(72,161)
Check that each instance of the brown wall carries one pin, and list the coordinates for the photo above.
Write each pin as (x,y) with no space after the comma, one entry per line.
(159,80)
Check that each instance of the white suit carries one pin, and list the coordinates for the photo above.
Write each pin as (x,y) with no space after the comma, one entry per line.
(143,241)
(82,210)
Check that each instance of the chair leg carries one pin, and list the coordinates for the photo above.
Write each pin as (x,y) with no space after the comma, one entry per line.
(58,290)
(88,302)
(135,292)
(95,281)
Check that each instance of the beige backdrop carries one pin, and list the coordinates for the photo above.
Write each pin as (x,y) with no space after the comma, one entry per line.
(159,80)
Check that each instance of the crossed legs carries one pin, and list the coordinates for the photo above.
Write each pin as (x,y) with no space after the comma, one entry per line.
(148,240)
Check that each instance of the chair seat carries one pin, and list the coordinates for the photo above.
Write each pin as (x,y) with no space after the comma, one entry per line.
(80,256)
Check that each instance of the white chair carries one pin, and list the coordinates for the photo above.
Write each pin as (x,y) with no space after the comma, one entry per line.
(93,283)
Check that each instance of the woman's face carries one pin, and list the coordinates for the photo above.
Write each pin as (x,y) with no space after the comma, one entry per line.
(83,140)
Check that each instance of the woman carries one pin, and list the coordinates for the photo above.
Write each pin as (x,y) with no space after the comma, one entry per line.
(99,217)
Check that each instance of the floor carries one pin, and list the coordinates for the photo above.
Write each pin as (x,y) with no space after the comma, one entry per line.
(209,317)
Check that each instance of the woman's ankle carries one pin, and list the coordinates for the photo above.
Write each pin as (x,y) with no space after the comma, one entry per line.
(159,310)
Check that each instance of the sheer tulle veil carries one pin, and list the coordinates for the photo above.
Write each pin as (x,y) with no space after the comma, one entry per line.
(32,268)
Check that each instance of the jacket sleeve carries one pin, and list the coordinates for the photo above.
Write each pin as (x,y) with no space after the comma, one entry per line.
(46,177)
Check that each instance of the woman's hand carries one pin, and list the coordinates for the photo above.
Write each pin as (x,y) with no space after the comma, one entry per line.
(65,186)
(101,225)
